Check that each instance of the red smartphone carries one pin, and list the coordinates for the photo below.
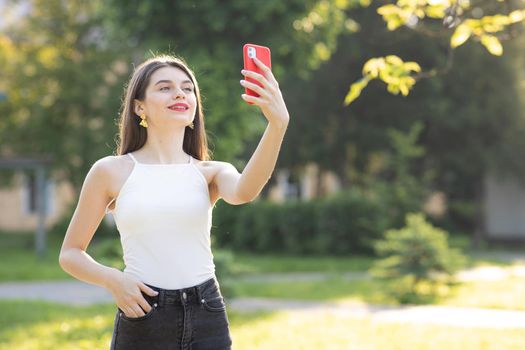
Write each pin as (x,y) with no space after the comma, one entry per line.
(263,54)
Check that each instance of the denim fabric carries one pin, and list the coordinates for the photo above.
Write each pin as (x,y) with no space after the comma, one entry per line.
(192,318)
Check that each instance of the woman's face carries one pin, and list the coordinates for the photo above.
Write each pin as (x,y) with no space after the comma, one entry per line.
(170,97)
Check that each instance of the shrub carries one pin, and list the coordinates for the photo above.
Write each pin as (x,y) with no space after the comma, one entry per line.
(224,260)
(347,222)
(416,257)
(107,251)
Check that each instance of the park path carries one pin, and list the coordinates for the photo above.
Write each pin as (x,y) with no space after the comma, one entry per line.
(78,293)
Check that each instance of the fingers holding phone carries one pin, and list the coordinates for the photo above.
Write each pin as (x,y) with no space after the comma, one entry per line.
(251,53)
(261,87)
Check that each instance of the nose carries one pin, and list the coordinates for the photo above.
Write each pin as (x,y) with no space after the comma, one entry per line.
(179,93)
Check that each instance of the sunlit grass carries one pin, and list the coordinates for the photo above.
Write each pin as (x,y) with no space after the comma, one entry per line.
(503,294)
(500,294)
(46,326)
(335,289)
(18,261)
(323,330)
(40,325)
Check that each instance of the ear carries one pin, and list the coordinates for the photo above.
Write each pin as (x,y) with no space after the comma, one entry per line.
(137,107)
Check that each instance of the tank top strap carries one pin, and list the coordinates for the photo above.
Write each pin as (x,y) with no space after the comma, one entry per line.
(133,157)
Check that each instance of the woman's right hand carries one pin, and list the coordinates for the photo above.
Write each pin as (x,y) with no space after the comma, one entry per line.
(126,290)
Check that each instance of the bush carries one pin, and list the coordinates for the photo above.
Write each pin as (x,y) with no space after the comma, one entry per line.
(347,222)
(107,251)
(416,258)
(297,228)
(224,260)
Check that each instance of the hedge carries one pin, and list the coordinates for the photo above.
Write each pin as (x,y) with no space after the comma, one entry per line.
(347,222)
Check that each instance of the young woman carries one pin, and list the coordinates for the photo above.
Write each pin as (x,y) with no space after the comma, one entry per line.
(161,189)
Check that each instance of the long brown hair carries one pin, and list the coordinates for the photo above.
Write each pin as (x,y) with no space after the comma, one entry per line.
(132,136)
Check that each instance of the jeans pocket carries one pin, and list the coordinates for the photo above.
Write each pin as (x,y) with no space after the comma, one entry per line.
(214,304)
(140,318)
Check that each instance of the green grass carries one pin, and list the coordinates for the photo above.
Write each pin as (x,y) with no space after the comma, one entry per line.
(18,261)
(31,325)
(46,326)
(289,330)
(264,263)
(334,289)
(39,325)
(504,294)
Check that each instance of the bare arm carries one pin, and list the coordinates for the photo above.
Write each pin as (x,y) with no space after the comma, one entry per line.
(262,163)
(237,188)
(87,217)
(74,259)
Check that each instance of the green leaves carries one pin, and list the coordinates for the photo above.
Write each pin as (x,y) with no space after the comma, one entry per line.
(419,251)
(405,12)
(461,35)
(60,94)
(492,44)
(392,70)
(484,30)
(355,90)
(411,13)
(399,14)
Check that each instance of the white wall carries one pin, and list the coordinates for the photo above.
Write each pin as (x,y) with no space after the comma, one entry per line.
(504,208)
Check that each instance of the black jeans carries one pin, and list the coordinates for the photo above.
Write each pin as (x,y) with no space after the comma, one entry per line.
(190,318)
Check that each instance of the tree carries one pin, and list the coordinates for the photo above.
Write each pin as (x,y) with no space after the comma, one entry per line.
(415,255)
(471,116)
(75,57)
(63,87)
(211,35)
(462,20)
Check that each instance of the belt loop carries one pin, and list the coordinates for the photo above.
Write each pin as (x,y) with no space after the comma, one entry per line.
(199,294)
(161,298)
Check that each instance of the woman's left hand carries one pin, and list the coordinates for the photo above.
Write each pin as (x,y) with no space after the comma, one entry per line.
(270,99)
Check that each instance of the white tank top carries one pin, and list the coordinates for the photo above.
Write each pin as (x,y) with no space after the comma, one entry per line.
(163,214)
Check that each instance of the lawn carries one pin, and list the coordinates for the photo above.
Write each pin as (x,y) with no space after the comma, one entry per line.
(18,261)
(505,294)
(40,325)
(47,326)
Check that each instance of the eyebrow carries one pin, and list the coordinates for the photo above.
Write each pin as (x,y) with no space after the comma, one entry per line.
(169,81)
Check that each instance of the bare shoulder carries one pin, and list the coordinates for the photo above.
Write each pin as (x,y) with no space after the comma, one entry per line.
(113,164)
(116,170)
(210,168)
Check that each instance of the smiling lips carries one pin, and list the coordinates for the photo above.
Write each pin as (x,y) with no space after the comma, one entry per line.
(179,107)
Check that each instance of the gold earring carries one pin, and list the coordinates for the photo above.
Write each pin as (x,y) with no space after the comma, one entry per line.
(191,125)
(143,123)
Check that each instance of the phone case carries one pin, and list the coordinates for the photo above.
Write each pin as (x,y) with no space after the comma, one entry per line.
(262,53)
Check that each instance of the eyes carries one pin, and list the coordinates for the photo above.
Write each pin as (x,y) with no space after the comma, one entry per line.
(167,88)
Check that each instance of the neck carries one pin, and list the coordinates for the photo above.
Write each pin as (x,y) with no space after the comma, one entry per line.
(165,145)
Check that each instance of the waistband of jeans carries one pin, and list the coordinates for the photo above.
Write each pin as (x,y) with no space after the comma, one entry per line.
(176,296)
